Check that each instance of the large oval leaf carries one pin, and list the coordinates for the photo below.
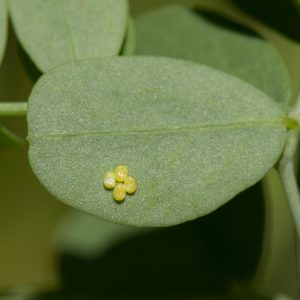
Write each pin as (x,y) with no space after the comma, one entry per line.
(208,39)
(3,27)
(193,137)
(55,32)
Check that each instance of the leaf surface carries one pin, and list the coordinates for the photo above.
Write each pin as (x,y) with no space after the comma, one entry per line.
(60,31)
(3,28)
(192,136)
(208,39)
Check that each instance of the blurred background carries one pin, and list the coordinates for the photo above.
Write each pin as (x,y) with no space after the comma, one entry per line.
(47,246)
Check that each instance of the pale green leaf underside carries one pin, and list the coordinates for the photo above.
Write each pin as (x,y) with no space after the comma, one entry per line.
(3,28)
(181,33)
(193,137)
(55,32)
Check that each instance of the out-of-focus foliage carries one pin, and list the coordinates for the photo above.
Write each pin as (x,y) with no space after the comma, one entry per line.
(212,40)
(58,32)
(282,15)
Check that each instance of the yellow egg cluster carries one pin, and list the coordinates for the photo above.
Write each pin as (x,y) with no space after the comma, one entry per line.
(120,182)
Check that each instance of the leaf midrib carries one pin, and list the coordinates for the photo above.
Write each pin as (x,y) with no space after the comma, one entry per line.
(237,125)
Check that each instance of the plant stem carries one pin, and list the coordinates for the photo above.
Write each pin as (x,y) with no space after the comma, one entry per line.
(287,167)
(288,177)
(13,108)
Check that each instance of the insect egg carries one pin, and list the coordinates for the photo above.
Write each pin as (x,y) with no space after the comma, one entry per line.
(121,173)
(119,192)
(119,182)
(109,180)
(130,184)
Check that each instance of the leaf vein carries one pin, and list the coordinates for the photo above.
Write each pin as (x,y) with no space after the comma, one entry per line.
(159,131)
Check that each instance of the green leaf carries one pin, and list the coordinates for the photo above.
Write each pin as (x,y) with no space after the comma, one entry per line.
(208,39)
(3,28)
(193,137)
(60,31)
(8,139)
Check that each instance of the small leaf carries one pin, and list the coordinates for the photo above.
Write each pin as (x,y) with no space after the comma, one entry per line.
(8,139)
(3,28)
(61,31)
(214,41)
(193,137)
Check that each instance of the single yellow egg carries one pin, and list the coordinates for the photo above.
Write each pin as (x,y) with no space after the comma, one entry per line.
(119,192)
(121,173)
(109,180)
(130,184)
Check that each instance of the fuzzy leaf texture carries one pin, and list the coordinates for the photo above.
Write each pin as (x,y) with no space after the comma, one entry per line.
(55,32)
(192,136)
(208,39)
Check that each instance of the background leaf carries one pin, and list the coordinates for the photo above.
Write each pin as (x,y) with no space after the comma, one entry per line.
(193,137)
(3,27)
(57,32)
(209,39)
